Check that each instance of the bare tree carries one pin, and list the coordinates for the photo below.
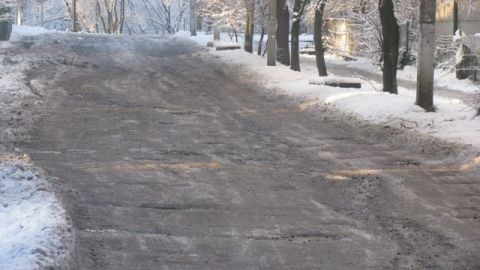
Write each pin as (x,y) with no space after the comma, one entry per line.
(283,31)
(318,38)
(391,39)
(298,10)
(249,24)
(193,17)
(272,32)
(261,22)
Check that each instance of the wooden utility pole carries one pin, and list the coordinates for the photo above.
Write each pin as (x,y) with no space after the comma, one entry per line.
(74,11)
(272,33)
(426,54)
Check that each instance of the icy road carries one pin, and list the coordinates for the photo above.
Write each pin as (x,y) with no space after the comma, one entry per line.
(167,159)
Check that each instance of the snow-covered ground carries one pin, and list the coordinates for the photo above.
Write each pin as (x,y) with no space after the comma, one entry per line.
(34,233)
(33,227)
(454,120)
(443,78)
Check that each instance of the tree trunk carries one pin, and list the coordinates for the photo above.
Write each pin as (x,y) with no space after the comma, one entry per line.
(19,14)
(455,17)
(283,50)
(272,33)
(260,43)
(122,16)
(216,33)
(317,35)
(193,18)
(390,47)
(295,57)
(41,13)
(248,43)
(74,16)
(426,52)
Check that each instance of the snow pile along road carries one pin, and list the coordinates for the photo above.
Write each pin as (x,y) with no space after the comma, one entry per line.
(34,233)
(33,228)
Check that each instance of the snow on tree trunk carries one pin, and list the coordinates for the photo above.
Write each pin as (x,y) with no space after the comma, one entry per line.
(19,14)
(283,50)
(466,63)
(426,53)
(295,58)
(390,48)
(318,38)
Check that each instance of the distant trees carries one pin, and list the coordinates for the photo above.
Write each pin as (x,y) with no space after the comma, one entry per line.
(227,15)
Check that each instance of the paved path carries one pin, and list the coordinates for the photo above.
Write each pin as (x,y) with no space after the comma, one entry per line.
(165,161)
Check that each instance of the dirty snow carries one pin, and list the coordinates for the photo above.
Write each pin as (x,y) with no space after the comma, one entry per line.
(33,227)
(454,120)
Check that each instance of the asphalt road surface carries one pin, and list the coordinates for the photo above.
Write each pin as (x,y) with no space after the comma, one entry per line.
(168,160)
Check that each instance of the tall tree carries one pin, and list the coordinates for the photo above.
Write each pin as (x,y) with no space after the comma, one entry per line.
(74,16)
(283,32)
(272,33)
(193,18)
(318,38)
(391,43)
(20,11)
(426,51)
(298,9)
(250,11)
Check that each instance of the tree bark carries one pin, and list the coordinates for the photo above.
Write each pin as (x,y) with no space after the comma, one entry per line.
(260,43)
(122,16)
(318,38)
(283,50)
(250,8)
(216,33)
(272,34)
(19,14)
(426,52)
(74,16)
(193,18)
(390,46)
(295,57)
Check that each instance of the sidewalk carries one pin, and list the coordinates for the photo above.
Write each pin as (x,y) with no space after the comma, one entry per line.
(348,69)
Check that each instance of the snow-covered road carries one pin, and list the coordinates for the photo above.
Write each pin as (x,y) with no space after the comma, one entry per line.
(167,159)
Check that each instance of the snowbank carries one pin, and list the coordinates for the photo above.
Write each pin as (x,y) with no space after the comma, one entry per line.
(454,120)
(32,222)
(20,31)
(24,30)
(33,228)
